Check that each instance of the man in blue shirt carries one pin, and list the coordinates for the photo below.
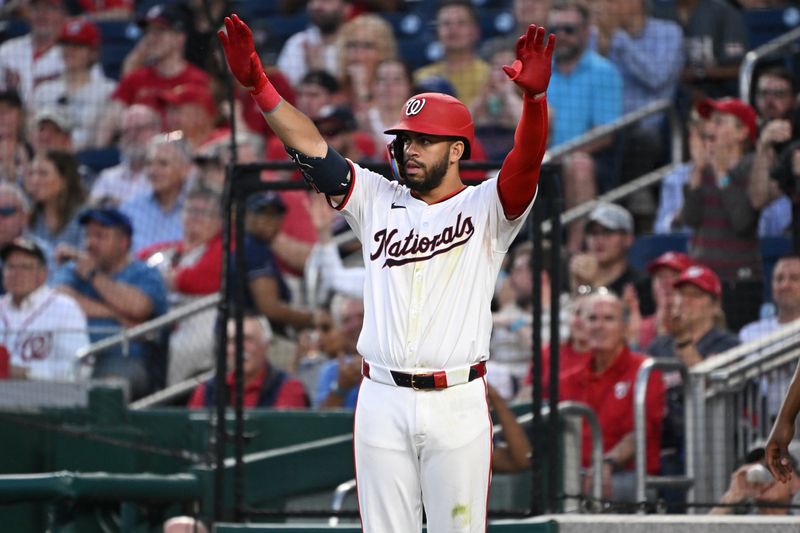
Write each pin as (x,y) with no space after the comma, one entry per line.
(156,215)
(115,292)
(585,92)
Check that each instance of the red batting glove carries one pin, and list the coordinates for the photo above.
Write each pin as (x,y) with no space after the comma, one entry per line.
(240,51)
(531,69)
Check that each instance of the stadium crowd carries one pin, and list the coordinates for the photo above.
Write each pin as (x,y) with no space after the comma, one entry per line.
(115,130)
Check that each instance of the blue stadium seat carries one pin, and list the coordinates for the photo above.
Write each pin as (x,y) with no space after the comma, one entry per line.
(253,10)
(119,37)
(418,52)
(647,247)
(408,24)
(495,22)
(763,25)
(97,159)
(272,32)
(11,28)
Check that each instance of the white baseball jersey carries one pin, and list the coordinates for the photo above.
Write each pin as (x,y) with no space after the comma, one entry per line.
(430,271)
(43,333)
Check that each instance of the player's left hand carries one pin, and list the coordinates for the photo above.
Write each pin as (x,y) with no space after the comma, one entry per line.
(531,69)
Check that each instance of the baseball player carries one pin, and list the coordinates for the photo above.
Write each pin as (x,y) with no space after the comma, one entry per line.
(432,248)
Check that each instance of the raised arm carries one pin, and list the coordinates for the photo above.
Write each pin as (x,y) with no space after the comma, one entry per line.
(519,175)
(323,167)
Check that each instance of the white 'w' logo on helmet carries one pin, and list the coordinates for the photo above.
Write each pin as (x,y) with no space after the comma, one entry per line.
(414,106)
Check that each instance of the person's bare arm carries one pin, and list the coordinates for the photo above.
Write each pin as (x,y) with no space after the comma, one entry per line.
(761,189)
(293,252)
(515,455)
(777,448)
(265,295)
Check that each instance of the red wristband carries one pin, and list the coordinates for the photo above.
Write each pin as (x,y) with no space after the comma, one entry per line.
(267,97)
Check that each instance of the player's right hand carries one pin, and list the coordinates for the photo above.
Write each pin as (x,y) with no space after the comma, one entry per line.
(240,51)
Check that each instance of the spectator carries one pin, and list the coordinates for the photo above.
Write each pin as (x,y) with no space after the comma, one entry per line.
(664,270)
(391,89)
(213,158)
(128,179)
(191,268)
(775,105)
(693,334)
(264,384)
(340,378)
(41,328)
(720,206)
(268,292)
(52,130)
(606,384)
(786,297)
(115,291)
(155,65)
(648,52)
(156,216)
(498,106)
(668,216)
(315,47)
(717,203)
(192,110)
(82,90)
(15,211)
(585,92)
(458,31)
(15,152)
(511,343)
(363,43)
(609,236)
(714,41)
(572,353)
(315,91)
(56,190)
(27,61)
(753,489)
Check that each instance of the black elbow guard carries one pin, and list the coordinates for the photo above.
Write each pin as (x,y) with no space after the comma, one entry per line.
(328,175)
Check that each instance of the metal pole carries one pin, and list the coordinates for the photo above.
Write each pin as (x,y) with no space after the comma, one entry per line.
(223,311)
(238,483)
(537,464)
(556,205)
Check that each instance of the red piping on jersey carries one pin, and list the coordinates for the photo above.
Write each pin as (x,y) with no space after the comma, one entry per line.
(519,176)
(355,468)
(491,453)
(349,190)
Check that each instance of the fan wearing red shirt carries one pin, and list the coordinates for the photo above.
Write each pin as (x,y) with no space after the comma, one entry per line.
(264,386)
(606,384)
(155,66)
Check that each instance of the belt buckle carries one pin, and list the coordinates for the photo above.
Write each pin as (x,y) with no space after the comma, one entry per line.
(414,376)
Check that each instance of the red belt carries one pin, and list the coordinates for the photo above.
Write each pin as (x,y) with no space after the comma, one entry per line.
(428,380)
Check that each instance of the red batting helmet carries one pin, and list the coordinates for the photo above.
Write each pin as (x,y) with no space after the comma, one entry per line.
(437,114)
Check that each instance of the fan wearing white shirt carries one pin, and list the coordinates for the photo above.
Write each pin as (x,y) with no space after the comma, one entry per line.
(40,327)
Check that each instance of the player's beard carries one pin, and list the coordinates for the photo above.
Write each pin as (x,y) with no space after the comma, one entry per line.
(427,179)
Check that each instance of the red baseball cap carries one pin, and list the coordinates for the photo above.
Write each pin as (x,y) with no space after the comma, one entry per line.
(701,277)
(437,114)
(731,106)
(80,31)
(191,93)
(675,260)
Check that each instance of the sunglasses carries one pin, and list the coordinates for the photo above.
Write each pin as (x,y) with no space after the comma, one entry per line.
(7,211)
(568,29)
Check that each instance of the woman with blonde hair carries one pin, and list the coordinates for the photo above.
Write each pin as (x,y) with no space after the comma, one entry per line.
(364,42)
